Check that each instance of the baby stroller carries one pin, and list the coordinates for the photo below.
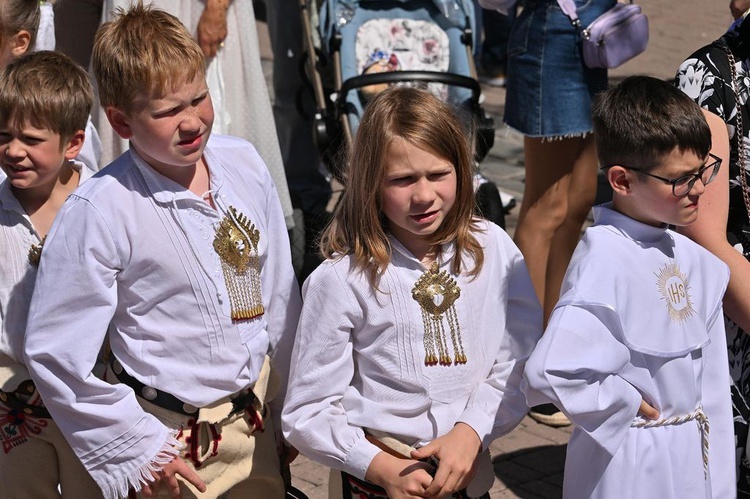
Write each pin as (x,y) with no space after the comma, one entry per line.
(360,46)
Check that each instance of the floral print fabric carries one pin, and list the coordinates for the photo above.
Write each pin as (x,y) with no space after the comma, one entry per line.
(707,78)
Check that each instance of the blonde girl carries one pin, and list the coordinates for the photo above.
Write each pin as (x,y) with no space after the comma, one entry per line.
(416,328)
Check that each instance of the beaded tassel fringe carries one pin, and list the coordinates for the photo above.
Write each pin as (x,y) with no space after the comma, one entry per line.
(436,292)
(236,243)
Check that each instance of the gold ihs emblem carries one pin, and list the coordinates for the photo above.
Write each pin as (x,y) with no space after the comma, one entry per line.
(437,292)
(236,243)
(674,287)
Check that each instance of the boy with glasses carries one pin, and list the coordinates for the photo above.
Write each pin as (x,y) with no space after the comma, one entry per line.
(635,351)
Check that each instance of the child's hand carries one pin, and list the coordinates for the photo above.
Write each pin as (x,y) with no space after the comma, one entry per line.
(457,452)
(401,478)
(167,477)
(647,411)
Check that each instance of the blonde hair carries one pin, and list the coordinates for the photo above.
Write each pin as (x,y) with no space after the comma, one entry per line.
(46,90)
(359,227)
(143,51)
(16,16)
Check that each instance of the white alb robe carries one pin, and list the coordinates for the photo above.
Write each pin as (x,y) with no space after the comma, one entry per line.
(639,318)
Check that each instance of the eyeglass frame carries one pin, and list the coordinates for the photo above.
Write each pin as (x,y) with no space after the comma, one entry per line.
(716,164)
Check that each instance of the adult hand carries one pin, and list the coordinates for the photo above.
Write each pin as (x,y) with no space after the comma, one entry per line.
(457,451)
(401,478)
(212,27)
(167,477)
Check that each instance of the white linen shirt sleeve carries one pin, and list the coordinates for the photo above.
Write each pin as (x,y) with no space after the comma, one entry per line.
(314,420)
(497,405)
(282,313)
(73,303)
(575,366)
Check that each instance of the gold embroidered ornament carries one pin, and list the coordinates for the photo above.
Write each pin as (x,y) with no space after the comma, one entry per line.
(35,252)
(236,243)
(437,292)
(674,287)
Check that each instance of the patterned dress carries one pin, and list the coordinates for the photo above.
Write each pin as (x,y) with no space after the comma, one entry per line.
(707,78)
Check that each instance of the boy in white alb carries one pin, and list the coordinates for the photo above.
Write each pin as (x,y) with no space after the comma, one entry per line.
(635,351)
(45,99)
(178,253)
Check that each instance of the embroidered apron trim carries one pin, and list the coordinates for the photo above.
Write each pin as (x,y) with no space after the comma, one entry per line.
(18,419)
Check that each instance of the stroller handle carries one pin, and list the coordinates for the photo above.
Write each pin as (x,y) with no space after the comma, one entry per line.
(425,76)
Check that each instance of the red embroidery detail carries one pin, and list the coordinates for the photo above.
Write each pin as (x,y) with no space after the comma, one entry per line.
(255,419)
(193,453)
(17,426)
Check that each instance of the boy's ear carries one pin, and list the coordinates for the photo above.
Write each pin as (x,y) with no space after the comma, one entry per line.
(74,145)
(119,122)
(20,43)
(620,179)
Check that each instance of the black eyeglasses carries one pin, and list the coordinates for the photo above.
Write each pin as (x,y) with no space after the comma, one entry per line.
(683,185)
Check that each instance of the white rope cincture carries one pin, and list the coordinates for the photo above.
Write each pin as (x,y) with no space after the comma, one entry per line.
(697,415)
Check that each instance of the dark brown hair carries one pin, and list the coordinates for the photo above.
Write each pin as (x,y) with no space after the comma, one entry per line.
(643,119)
(46,90)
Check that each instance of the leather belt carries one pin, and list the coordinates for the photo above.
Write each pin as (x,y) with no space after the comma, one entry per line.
(240,401)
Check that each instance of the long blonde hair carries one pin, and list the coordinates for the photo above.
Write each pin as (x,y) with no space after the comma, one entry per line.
(359,227)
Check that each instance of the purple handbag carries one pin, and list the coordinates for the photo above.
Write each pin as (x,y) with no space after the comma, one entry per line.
(613,38)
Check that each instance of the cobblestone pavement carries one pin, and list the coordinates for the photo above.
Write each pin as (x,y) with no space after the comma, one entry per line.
(529,461)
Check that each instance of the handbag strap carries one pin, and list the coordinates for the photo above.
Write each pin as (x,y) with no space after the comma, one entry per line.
(569,9)
(738,129)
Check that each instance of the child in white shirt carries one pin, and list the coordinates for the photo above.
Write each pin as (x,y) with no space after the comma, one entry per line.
(415,330)
(178,253)
(635,351)
(45,99)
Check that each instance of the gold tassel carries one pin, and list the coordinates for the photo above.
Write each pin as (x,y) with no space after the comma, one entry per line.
(437,292)
(236,243)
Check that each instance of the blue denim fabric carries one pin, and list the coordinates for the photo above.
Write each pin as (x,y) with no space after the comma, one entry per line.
(549,88)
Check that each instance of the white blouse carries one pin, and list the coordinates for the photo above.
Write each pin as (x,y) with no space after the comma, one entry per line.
(359,356)
(131,252)
(17,235)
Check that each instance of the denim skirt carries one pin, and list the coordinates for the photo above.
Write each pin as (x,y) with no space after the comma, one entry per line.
(549,89)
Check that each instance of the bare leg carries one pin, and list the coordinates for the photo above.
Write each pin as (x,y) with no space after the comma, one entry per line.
(559,191)
(581,195)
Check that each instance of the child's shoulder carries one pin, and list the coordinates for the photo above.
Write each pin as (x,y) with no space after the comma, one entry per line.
(112,176)
(492,238)
(229,143)
(337,275)
(229,147)
(238,158)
